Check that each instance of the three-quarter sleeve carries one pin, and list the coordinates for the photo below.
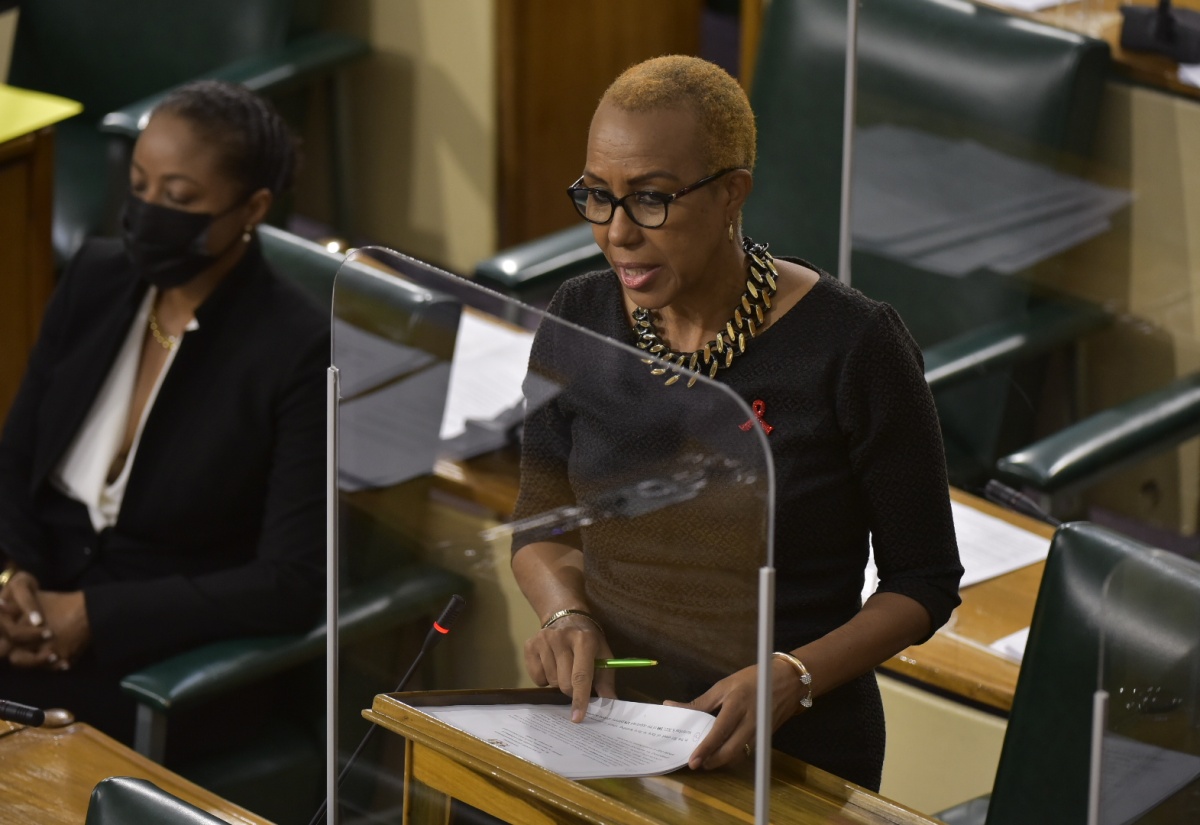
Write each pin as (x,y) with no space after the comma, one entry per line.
(896,453)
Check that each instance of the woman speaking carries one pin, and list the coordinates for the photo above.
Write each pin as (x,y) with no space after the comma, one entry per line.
(854,435)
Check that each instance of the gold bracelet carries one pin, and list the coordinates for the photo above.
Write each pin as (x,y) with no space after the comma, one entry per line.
(571,611)
(7,574)
(802,672)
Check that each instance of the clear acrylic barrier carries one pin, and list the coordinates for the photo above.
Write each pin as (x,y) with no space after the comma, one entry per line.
(1146,760)
(669,492)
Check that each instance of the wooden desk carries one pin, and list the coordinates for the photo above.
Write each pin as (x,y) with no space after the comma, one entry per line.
(1149,68)
(47,776)
(26,212)
(442,763)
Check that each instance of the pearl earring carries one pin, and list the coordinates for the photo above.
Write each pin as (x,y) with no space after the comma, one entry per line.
(246,234)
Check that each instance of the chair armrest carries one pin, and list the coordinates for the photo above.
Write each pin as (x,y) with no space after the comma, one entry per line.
(550,258)
(212,670)
(1108,440)
(296,62)
(1046,326)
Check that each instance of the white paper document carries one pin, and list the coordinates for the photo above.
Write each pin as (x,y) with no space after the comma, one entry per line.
(987,547)
(616,738)
(489,367)
(1189,73)
(990,547)
(1012,646)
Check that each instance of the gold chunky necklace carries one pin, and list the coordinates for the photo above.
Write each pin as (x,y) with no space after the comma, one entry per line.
(761,286)
(167,342)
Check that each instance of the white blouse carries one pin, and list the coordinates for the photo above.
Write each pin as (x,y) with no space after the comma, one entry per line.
(83,472)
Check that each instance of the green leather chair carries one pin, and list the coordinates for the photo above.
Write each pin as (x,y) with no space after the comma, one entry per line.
(1086,452)
(1044,766)
(120,57)
(958,71)
(969,71)
(278,770)
(124,800)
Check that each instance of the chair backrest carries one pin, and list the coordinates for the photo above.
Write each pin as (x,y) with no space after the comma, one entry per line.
(308,265)
(945,66)
(1044,763)
(122,800)
(397,310)
(109,53)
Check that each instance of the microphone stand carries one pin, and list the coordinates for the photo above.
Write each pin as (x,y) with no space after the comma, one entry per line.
(440,628)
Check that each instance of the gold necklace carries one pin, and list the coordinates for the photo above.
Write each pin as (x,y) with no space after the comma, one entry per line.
(167,342)
(717,354)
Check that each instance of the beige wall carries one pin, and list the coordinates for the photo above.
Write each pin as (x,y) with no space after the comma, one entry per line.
(423,128)
(1147,271)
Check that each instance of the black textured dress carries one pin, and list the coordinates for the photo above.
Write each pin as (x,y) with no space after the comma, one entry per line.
(858,459)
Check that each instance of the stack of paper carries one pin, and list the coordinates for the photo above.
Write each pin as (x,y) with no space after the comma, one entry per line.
(616,738)
(956,206)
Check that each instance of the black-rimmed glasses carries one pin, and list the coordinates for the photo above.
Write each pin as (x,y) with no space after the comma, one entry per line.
(647,209)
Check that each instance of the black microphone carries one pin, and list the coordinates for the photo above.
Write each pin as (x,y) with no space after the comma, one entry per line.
(21,714)
(1000,493)
(441,627)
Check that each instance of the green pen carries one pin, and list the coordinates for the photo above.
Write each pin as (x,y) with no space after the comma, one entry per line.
(610,663)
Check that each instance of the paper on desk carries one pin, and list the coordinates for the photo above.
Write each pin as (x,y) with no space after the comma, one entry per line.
(1012,646)
(490,361)
(956,206)
(367,361)
(1136,777)
(987,547)
(616,738)
(1189,73)
(390,435)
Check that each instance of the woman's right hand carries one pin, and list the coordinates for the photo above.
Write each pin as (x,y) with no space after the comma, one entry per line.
(23,627)
(563,656)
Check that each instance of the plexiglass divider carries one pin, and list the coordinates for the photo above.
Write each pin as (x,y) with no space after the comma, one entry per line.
(468,424)
(1146,753)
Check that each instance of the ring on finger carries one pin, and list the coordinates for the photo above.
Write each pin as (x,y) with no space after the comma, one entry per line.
(748,749)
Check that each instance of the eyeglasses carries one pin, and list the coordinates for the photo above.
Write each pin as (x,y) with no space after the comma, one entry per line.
(647,209)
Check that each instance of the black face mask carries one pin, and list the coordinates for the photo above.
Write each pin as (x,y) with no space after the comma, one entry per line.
(168,247)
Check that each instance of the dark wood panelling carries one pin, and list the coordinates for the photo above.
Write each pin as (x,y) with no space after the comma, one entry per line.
(555,59)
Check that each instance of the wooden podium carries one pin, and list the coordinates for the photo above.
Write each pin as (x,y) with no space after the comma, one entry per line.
(442,763)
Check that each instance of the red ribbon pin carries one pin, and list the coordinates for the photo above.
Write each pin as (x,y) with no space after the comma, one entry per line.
(759,407)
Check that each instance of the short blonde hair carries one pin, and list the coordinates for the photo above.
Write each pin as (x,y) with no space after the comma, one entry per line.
(722,111)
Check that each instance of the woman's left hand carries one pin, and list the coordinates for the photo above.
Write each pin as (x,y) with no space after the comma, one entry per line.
(734,699)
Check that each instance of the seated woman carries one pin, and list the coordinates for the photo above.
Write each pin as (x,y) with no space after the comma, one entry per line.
(162,467)
(853,435)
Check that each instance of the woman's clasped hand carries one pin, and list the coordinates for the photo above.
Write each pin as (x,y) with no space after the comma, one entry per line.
(40,629)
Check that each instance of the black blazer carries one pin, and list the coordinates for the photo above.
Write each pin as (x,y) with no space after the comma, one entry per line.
(221,529)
